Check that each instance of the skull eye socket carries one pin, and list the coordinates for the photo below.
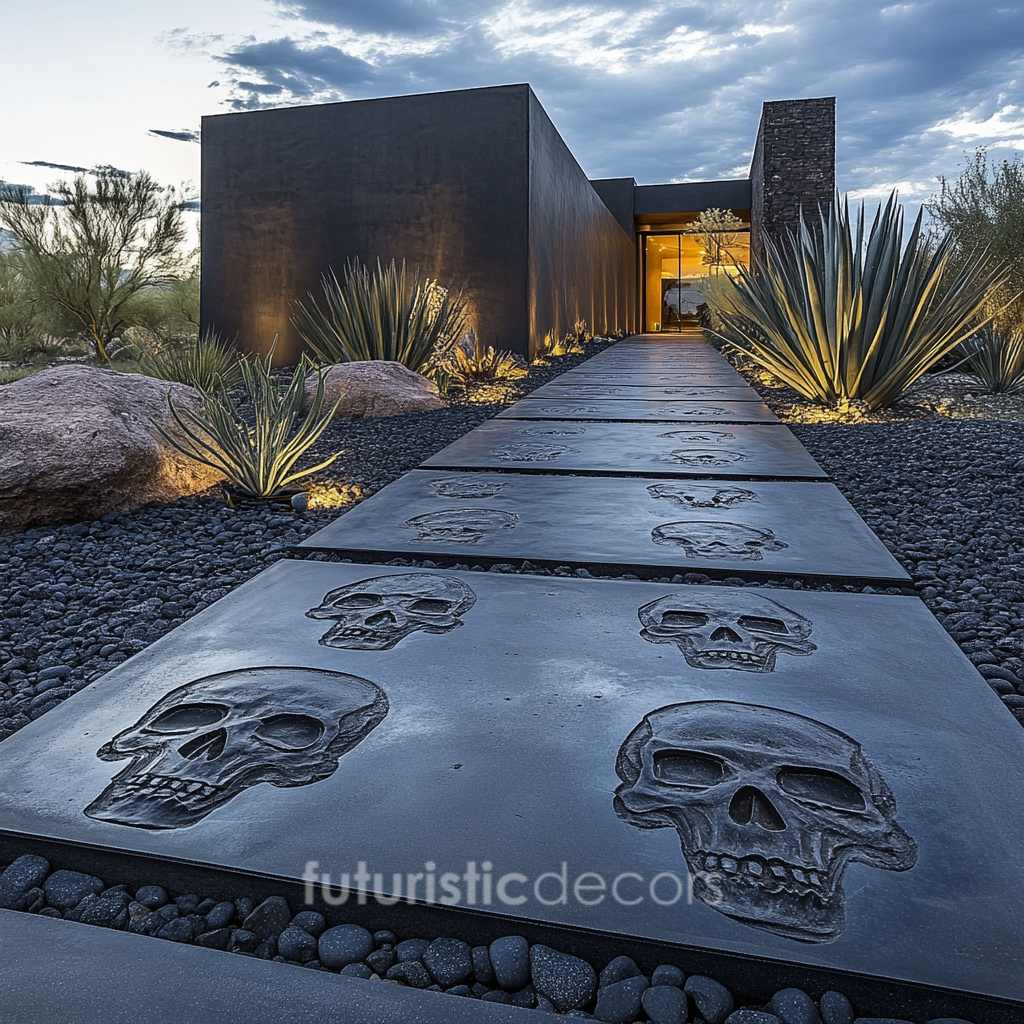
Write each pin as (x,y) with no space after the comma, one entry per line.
(763,624)
(690,768)
(186,717)
(821,787)
(430,606)
(290,732)
(358,601)
(685,620)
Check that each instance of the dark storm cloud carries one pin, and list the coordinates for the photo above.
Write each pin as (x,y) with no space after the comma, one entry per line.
(177,135)
(673,90)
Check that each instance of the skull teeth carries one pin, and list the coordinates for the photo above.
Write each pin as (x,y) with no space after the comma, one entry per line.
(772,875)
(186,790)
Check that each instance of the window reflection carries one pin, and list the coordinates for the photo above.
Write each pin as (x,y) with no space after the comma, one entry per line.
(676,267)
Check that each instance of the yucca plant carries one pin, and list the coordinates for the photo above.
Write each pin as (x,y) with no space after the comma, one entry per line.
(842,321)
(207,364)
(996,359)
(257,453)
(390,312)
(472,361)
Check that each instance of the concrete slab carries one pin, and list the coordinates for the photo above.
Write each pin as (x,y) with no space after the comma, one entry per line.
(640,411)
(747,528)
(684,387)
(53,970)
(766,748)
(628,449)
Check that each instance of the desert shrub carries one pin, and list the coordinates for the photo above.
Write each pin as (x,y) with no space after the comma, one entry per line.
(392,312)
(996,359)
(206,363)
(842,320)
(471,361)
(257,452)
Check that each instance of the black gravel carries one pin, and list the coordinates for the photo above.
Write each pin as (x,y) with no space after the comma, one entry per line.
(509,970)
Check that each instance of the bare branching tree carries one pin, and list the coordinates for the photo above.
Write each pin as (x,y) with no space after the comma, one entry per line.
(718,232)
(93,246)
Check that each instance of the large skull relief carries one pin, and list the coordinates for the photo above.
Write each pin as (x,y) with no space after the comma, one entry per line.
(718,540)
(769,807)
(703,457)
(701,495)
(375,614)
(736,629)
(532,451)
(702,412)
(205,742)
(466,487)
(461,525)
(705,436)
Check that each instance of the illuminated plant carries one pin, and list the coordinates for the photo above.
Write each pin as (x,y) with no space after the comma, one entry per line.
(206,363)
(471,362)
(256,453)
(997,360)
(840,320)
(391,312)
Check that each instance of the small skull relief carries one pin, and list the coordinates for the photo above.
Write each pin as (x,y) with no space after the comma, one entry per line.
(467,487)
(571,410)
(206,742)
(376,614)
(702,412)
(557,430)
(706,436)
(531,451)
(461,525)
(769,807)
(718,540)
(703,457)
(732,630)
(701,495)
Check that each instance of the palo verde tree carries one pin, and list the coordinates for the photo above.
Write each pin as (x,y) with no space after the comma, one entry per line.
(91,247)
(718,232)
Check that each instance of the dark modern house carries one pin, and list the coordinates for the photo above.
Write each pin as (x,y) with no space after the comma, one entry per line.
(477,187)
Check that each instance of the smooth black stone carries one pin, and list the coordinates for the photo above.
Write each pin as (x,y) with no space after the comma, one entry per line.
(244,941)
(568,654)
(345,944)
(411,949)
(627,448)
(380,960)
(217,938)
(619,1003)
(835,1008)
(269,918)
(357,971)
(411,973)
(751,527)
(668,974)
(568,981)
(618,969)
(482,970)
(220,915)
(665,1004)
(747,1016)
(20,876)
(794,1006)
(108,910)
(450,961)
(66,889)
(713,1000)
(311,921)
(384,937)
(177,930)
(639,411)
(297,944)
(510,962)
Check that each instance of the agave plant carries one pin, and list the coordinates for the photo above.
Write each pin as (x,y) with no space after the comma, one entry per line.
(996,359)
(842,321)
(391,312)
(207,364)
(471,362)
(258,458)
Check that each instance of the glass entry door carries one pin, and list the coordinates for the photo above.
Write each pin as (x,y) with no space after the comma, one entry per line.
(672,273)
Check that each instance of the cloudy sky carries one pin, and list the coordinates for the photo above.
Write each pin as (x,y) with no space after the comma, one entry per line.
(666,91)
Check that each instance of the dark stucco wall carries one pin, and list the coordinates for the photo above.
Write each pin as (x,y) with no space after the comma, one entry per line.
(582,261)
(794,165)
(440,179)
(617,194)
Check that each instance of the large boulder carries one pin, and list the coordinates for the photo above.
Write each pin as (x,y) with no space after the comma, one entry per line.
(376,387)
(77,442)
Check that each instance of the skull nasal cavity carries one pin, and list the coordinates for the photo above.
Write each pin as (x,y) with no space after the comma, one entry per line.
(726,634)
(751,807)
(210,745)
(379,618)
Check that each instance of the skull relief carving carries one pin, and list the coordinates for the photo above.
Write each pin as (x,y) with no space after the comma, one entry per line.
(557,430)
(702,412)
(706,436)
(461,525)
(531,451)
(376,614)
(701,495)
(769,807)
(736,629)
(718,540)
(703,457)
(571,410)
(204,743)
(467,487)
